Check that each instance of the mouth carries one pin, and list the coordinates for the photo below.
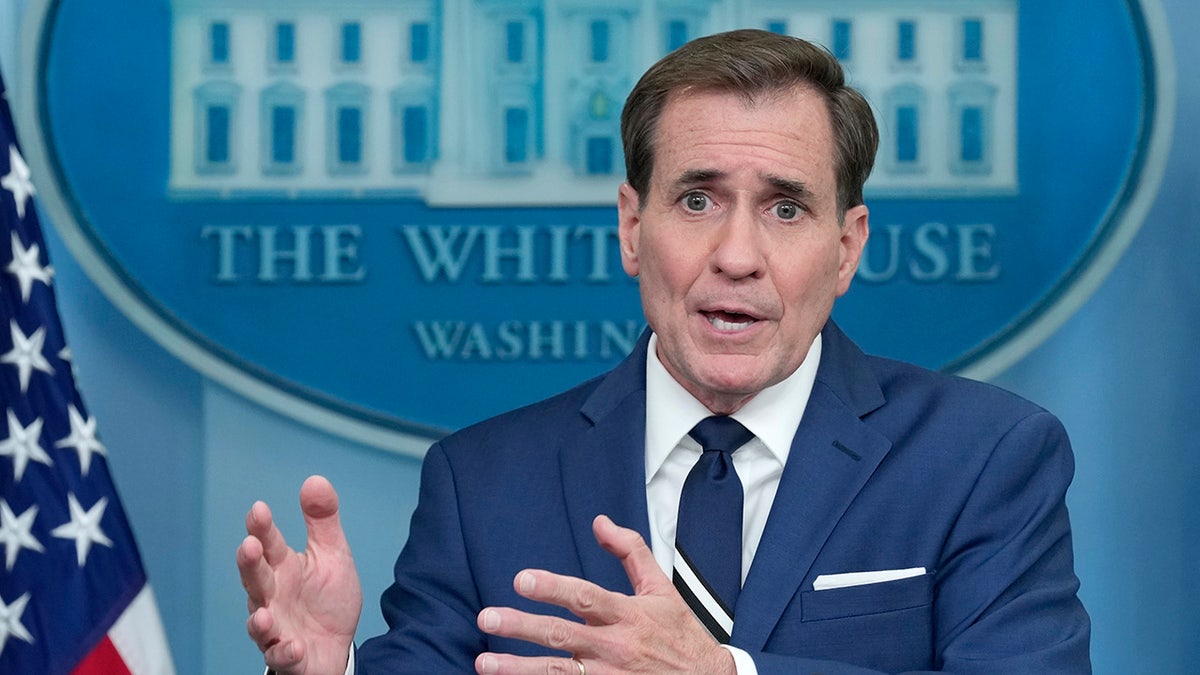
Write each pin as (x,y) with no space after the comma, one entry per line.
(729,322)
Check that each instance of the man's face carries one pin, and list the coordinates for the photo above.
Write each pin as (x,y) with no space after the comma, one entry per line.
(739,248)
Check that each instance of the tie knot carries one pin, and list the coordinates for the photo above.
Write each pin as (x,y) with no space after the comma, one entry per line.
(720,433)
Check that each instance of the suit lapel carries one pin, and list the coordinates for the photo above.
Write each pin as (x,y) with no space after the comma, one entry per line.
(832,456)
(603,467)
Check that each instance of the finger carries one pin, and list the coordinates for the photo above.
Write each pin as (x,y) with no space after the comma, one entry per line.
(582,598)
(284,655)
(635,556)
(257,576)
(319,503)
(261,525)
(548,631)
(506,664)
(262,629)
(279,655)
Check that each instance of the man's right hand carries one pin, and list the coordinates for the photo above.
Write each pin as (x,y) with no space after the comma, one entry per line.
(304,607)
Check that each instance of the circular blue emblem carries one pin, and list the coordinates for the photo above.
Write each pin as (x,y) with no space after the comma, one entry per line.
(391,220)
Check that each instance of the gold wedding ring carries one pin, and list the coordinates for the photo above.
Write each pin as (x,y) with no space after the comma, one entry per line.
(582,668)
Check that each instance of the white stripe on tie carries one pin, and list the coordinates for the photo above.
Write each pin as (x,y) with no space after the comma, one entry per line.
(708,604)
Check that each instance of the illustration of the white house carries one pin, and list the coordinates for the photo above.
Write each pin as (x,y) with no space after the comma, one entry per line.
(462,102)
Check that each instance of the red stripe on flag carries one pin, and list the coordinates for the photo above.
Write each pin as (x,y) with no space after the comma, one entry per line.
(104,660)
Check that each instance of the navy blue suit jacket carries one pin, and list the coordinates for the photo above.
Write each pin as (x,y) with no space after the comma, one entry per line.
(892,467)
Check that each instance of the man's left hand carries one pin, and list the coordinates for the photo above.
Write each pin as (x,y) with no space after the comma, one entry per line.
(652,631)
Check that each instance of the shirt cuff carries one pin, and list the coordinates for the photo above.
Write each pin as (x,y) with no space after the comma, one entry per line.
(742,663)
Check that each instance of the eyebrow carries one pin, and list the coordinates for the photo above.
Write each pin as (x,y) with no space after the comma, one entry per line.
(695,176)
(793,188)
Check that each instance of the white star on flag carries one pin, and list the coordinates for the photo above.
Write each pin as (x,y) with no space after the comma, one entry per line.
(26,267)
(84,527)
(16,533)
(23,444)
(26,353)
(17,180)
(10,621)
(83,438)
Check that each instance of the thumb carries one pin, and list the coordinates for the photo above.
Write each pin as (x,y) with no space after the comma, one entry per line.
(628,546)
(319,504)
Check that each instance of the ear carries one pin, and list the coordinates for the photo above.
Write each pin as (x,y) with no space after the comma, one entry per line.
(629,220)
(855,230)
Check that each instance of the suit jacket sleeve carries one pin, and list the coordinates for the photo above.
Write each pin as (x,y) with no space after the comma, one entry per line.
(431,607)
(1004,597)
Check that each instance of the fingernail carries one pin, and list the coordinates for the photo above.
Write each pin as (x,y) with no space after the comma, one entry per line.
(528,582)
(491,619)
(488,663)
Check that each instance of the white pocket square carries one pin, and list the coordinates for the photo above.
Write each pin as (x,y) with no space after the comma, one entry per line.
(827,582)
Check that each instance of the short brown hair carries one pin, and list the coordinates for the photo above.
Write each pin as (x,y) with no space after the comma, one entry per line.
(752,63)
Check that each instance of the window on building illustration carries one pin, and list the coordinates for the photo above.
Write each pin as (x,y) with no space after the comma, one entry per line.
(281,111)
(216,147)
(599,105)
(904,128)
(418,42)
(600,41)
(351,42)
(218,36)
(349,135)
(283,134)
(514,42)
(777,26)
(516,135)
(285,42)
(908,134)
(345,128)
(906,41)
(971,135)
(972,41)
(599,155)
(215,113)
(972,106)
(842,40)
(677,34)
(415,130)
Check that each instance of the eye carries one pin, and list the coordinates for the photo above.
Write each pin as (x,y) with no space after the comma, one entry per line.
(787,210)
(695,201)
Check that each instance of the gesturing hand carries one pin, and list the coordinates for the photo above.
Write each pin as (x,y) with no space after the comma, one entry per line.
(304,607)
(652,631)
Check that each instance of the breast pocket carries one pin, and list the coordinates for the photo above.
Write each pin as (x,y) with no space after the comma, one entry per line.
(867,599)
(887,626)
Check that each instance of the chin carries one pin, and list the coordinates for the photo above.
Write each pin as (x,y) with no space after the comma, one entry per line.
(736,383)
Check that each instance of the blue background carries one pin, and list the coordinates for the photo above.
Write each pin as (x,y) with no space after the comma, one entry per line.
(190,456)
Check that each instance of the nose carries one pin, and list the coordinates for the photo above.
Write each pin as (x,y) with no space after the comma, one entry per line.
(738,251)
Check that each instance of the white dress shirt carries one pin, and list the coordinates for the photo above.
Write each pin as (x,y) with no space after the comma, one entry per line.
(671,412)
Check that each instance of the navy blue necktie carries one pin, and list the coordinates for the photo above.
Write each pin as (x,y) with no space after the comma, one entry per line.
(708,536)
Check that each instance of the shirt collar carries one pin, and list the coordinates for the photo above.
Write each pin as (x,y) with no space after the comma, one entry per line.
(772,415)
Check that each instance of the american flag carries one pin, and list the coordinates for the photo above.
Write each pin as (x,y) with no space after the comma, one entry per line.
(73,594)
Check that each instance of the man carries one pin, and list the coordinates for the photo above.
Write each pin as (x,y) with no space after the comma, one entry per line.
(893,519)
